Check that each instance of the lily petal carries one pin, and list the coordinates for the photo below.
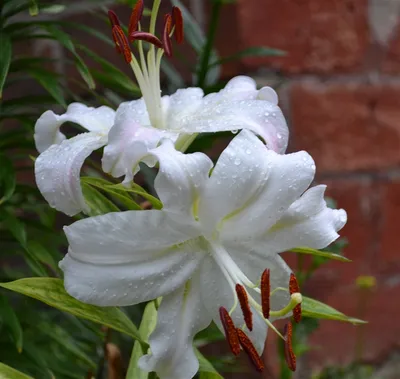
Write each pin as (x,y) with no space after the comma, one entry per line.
(308,222)
(47,127)
(57,172)
(238,88)
(251,187)
(128,144)
(239,106)
(253,260)
(216,292)
(180,104)
(125,258)
(181,177)
(181,315)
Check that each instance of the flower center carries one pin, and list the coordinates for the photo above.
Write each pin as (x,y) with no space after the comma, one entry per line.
(242,288)
(147,68)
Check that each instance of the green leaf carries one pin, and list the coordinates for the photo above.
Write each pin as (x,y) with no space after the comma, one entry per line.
(316,309)
(7,179)
(255,51)
(33,8)
(112,77)
(66,41)
(5,59)
(7,372)
(325,254)
(120,195)
(206,369)
(138,190)
(195,36)
(17,229)
(66,341)
(42,254)
(51,291)
(11,322)
(96,201)
(49,81)
(110,187)
(147,325)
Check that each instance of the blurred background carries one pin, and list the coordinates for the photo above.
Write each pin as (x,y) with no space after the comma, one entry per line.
(339,88)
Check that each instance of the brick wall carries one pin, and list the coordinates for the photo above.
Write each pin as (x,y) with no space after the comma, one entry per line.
(340,91)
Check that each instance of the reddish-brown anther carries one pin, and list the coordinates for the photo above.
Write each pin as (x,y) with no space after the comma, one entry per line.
(114,20)
(122,43)
(250,350)
(166,38)
(178,22)
(265,292)
(293,288)
(144,36)
(136,15)
(230,331)
(244,304)
(290,357)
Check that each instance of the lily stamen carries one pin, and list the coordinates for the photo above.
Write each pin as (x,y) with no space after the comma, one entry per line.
(250,350)
(122,43)
(265,293)
(178,24)
(166,35)
(147,72)
(136,15)
(244,305)
(294,288)
(290,357)
(230,331)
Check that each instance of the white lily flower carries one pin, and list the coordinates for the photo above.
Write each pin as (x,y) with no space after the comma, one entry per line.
(57,168)
(138,126)
(141,124)
(214,238)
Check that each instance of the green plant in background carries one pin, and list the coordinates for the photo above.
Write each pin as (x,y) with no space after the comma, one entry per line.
(43,342)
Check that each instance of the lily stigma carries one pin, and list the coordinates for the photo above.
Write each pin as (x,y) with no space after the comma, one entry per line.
(211,253)
(131,132)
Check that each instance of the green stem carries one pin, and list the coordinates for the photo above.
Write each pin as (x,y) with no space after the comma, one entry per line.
(206,53)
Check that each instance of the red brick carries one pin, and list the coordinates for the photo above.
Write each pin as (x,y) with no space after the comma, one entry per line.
(337,341)
(361,200)
(318,35)
(391,62)
(390,241)
(347,126)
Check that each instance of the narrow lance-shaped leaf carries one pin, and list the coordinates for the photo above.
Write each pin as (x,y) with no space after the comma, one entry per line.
(195,36)
(5,59)
(33,8)
(134,188)
(7,179)
(10,323)
(255,51)
(97,202)
(206,369)
(8,372)
(66,41)
(147,326)
(325,254)
(49,81)
(316,309)
(51,291)
(17,229)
